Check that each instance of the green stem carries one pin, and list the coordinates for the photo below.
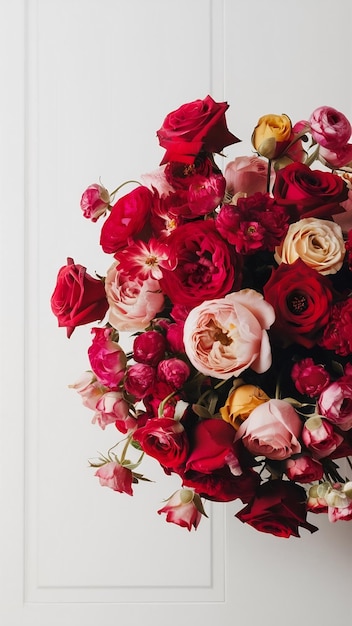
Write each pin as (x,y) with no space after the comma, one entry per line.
(268,176)
(127,182)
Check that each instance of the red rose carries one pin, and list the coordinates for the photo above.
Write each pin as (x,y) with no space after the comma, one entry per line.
(309,193)
(212,446)
(221,485)
(180,175)
(337,334)
(301,298)
(195,127)
(278,508)
(78,298)
(165,440)
(206,265)
(127,219)
(309,378)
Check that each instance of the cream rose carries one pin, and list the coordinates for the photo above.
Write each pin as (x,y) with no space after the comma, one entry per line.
(133,303)
(319,243)
(272,430)
(224,337)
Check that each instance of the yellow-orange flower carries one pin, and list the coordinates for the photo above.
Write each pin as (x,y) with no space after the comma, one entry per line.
(241,403)
(272,134)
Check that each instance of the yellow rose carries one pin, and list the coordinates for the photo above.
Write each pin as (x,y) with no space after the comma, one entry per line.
(270,131)
(241,403)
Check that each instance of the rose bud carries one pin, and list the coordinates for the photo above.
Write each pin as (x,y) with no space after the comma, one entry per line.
(184,508)
(319,436)
(94,202)
(149,347)
(173,371)
(140,380)
(115,476)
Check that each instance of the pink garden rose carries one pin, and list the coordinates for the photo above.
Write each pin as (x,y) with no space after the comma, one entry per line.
(226,336)
(309,378)
(133,303)
(335,401)
(95,202)
(116,477)
(330,128)
(112,408)
(246,174)
(319,437)
(107,358)
(272,430)
(304,469)
(183,508)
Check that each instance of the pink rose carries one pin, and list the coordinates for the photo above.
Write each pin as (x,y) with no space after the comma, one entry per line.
(304,469)
(319,437)
(183,508)
(309,379)
(173,371)
(335,159)
(112,408)
(149,347)
(330,128)
(140,379)
(107,359)
(126,220)
(246,175)
(224,337)
(205,194)
(95,201)
(116,477)
(335,402)
(336,514)
(272,430)
(133,303)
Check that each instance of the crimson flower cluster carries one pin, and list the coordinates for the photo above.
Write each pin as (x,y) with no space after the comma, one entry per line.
(233,292)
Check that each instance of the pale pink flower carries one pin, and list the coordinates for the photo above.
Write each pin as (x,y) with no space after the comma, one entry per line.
(183,508)
(157,180)
(246,174)
(226,336)
(112,408)
(272,430)
(335,402)
(89,389)
(116,477)
(133,302)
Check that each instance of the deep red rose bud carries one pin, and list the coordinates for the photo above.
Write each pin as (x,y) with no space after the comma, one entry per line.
(140,380)
(149,347)
(173,371)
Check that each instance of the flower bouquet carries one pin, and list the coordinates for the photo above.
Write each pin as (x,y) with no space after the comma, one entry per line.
(235,290)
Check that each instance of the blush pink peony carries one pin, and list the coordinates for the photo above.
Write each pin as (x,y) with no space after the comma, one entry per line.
(226,336)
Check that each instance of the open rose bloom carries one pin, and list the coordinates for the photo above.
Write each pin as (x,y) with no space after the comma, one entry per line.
(235,290)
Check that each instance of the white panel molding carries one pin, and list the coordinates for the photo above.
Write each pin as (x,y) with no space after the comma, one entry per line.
(55,573)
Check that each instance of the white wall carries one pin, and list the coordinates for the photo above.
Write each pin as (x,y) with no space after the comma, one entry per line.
(85,85)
